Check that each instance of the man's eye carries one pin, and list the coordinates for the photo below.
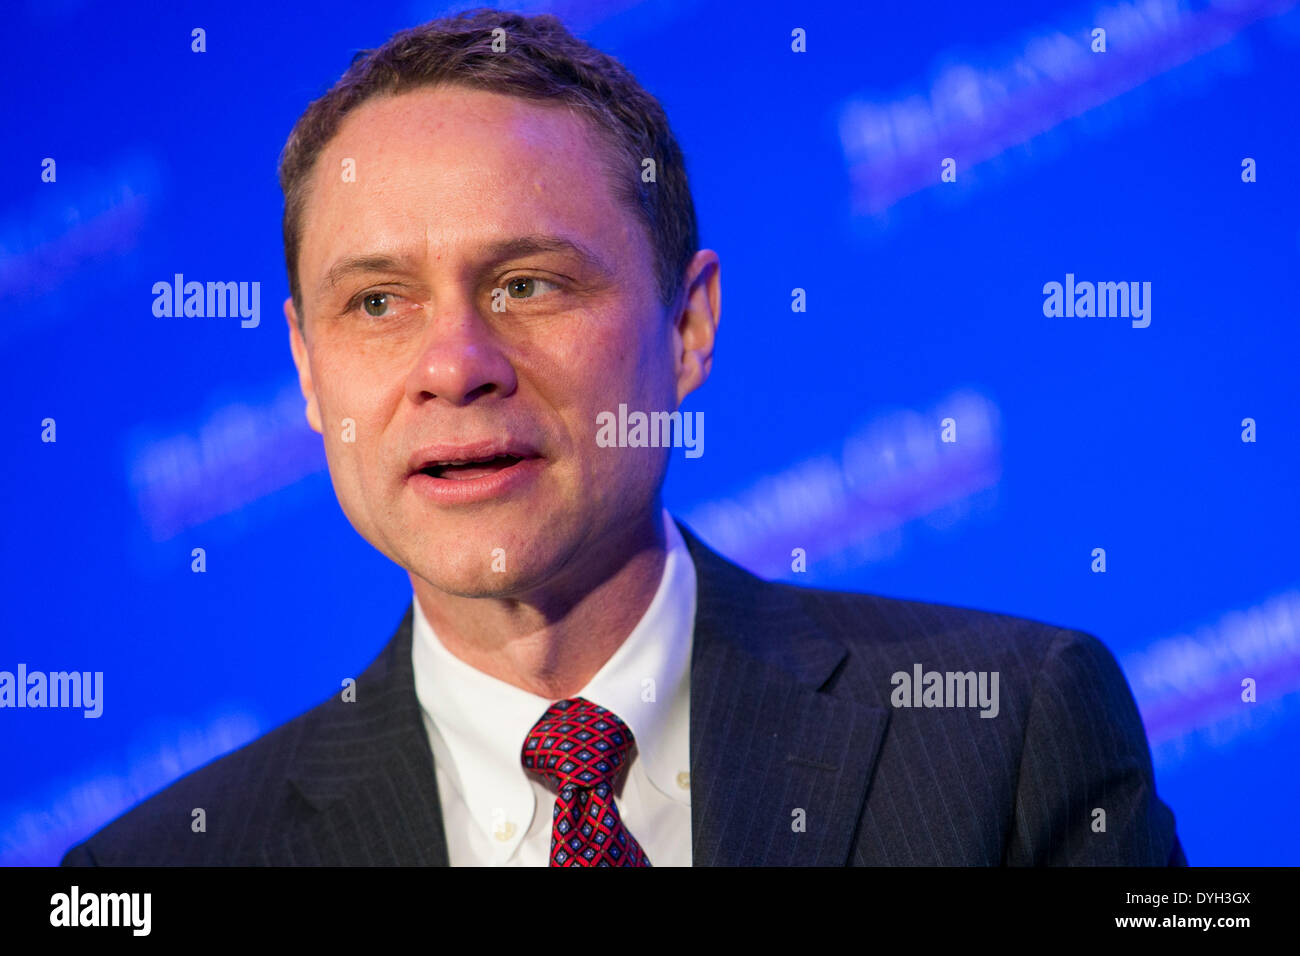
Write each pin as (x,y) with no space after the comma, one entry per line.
(525,287)
(376,303)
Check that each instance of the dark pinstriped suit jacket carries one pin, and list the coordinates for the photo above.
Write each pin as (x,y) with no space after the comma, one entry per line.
(790,710)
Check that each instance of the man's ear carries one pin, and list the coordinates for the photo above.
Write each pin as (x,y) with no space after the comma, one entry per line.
(696,324)
(299,349)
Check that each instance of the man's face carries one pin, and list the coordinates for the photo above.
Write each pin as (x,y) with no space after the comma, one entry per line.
(405,364)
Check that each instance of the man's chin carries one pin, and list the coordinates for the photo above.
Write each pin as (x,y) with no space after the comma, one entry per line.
(489,560)
(477,584)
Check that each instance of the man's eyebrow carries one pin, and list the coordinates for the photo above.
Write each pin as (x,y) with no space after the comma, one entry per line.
(492,253)
(532,244)
(349,265)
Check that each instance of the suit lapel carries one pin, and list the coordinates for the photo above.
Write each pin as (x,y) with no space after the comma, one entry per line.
(779,771)
(368,773)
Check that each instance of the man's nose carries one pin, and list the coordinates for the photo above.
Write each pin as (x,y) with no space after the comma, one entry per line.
(460,361)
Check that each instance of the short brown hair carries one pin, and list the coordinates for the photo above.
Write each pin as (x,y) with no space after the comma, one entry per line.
(542,61)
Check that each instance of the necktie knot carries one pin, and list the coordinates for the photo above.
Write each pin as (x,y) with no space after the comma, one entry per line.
(577,744)
(580,747)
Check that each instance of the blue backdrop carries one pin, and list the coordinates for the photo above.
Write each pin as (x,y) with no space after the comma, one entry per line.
(819,170)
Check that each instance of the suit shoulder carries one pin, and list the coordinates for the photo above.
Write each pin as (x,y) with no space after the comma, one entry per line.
(863,620)
(248,785)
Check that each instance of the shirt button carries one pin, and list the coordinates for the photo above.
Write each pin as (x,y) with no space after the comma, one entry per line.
(684,780)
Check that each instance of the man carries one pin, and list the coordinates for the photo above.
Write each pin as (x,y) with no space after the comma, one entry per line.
(490,242)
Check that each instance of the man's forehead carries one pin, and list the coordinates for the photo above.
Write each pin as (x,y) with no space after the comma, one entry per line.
(459,127)
(457,165)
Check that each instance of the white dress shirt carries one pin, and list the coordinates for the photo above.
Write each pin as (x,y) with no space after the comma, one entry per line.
(496,813)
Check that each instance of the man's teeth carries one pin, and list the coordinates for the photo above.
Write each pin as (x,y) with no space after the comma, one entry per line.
(446,469)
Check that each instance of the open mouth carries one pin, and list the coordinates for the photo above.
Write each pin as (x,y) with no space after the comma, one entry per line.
(470,469)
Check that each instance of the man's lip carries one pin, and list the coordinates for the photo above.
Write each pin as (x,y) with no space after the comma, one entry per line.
(467,452)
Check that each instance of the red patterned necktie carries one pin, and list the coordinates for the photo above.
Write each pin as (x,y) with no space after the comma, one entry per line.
(580,747)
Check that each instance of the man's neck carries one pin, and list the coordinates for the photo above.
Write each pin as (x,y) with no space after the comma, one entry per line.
(552,642)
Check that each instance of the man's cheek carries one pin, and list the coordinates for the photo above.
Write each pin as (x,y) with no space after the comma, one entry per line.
(344,411)
(356,495)
(344,434)
(340,465)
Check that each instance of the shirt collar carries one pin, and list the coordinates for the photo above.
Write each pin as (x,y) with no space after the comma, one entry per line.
(483,721)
